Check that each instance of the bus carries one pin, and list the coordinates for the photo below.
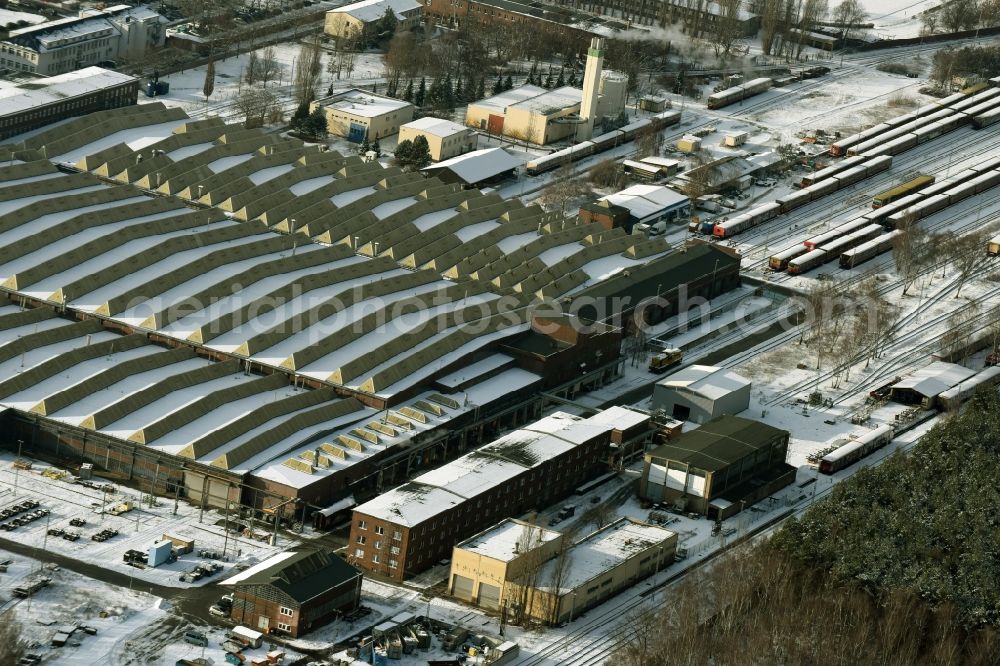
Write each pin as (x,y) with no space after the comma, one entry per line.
(900,191)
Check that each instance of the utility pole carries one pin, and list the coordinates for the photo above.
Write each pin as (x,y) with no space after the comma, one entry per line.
(17,464)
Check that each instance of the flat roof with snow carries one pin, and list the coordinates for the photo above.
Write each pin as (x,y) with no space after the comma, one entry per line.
(934,379)
(42,92)
(646,201)
(436,126)
(599,553)
(513,454)
(361,103)
(510,97)
(508,539)
(368,11)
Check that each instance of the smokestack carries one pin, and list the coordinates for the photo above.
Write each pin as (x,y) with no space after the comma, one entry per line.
(591,83)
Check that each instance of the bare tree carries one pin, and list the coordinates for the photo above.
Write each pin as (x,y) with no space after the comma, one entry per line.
(812,11)
(251,71)
(772,23)
(909,252)
(308,68)
(255,105)
(849,14)
(959,14)
(268,66)
(564,189)
(726,28)
(13,646)
(965,254)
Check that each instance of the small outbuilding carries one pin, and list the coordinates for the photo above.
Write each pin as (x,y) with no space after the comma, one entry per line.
(924,385)
(358,114)
(445,138)
(700,393)
(651,205)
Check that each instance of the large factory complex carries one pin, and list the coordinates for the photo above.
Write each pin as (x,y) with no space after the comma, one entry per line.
(226,315)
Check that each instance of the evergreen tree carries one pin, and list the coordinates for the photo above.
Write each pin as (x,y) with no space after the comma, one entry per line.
(561,81)
(498,85)
(314,124)
(421,156)
(448,94)
(329,91)
(508,83)
(533,74)
(572,77)
(377,148)
(404,152)
(298,120)
(480,88)
(408,93)
(421,92)
(364,147)
(548,82)
(209,86)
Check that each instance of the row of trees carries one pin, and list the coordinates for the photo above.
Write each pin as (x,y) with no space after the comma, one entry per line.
(957,15)
(973,61)
(778,18)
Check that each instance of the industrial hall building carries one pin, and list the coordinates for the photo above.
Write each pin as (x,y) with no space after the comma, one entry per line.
(719,468)
(215,312)
(293,592)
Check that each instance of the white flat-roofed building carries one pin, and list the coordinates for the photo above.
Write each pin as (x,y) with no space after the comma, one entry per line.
(356,114)
(445,138)
(484,566)
(111,34)
(596,568)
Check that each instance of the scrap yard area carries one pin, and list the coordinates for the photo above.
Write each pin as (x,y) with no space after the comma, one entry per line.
(311,357)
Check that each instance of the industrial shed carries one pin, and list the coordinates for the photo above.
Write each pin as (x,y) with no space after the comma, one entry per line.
(718,469)
(924,385)
(294,592)
(700,393)
(649,204)
(475,169)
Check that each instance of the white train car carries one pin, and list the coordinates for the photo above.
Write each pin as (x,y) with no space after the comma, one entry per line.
(779,261)
(978,98)
(920,210)
(894,147)
(807,262)
(748,220)
(986,119)
(836,232)
(955,396)
(881,215)
(868,250)
(823,174)
(856,449)
(851,176)
(794,200)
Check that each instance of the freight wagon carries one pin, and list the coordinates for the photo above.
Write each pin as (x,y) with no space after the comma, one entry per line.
(738,93)
(868,250)
(901,191)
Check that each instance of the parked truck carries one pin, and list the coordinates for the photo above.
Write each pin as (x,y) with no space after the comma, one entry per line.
(26,589)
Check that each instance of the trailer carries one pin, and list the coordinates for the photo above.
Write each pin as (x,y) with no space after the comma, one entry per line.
(825,173)
(738,93)
(807,262)
(993,247)
(28,588)
(955,396)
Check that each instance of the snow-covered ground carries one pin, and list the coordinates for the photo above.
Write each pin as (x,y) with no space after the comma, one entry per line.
(137,529)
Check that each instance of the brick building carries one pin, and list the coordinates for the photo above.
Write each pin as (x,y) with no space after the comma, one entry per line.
(33,104)
(294,592)
(412,527)
(562,347)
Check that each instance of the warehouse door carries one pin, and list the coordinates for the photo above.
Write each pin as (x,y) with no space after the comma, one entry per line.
(461,587)
(357,132)
(489,596)
(495,125)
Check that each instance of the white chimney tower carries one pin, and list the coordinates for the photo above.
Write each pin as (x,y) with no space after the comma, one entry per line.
(591,84)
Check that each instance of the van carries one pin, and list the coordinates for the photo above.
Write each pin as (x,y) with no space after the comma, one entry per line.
(196,638)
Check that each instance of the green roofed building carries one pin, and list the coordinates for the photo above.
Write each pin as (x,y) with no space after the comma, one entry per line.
(720,468)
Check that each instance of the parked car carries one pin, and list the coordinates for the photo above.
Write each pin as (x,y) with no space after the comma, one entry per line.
(218,611)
